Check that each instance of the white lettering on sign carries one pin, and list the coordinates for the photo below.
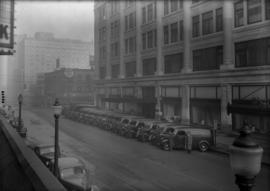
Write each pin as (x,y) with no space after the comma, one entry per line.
(3,31)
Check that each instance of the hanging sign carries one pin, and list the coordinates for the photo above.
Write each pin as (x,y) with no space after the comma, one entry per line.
(6,23)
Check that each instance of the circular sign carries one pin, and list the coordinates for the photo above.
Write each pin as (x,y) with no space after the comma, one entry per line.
(68,72)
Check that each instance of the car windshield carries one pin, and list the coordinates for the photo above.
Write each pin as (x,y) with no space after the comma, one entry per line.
(67,172)
(46,150)
(133,123)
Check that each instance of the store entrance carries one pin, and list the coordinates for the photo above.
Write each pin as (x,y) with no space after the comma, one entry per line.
(148,110)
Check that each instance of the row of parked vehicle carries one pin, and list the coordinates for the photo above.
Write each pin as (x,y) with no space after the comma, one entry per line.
(164,134)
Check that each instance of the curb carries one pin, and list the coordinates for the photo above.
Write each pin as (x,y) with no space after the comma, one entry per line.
(226,152)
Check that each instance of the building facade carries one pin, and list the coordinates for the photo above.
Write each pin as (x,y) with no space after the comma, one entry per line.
(184,58)
(44,53)
(70,86)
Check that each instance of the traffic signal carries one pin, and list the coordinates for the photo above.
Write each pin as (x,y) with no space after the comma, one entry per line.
(3,96)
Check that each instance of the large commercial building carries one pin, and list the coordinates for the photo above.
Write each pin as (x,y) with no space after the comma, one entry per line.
(185,58)
(70,86)
(44,53)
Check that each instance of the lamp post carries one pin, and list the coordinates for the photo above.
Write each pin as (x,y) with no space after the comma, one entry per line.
(245,159)
(57,109)
(20,100)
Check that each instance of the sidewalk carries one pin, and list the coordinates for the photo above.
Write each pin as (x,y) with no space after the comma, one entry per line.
(225,140)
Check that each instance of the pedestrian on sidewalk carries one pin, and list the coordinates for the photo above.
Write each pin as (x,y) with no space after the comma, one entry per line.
(188,142)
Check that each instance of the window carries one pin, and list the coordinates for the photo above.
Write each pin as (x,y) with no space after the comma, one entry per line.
(181,30)
(150,12)
(115,70)
(207,23)
(173,63)
(102,53)
(149,66)
(130,69)
(174,32)
(144,41)
(252,53)
(115,49)
(130,45)
(150,39)
(102,34)
(219,20)
(239,13)
(126,46)
(144,15)
(114,29)
(166,7)
(174,5)
(181,4)
(196,26)
(254,11)
(102,72)
(166,34)
(126,23)
(130,21)
(267,9)
(114,7)
(207,59)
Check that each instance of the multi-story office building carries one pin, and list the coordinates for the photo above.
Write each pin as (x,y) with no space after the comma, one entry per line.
(185,58)
(44,53)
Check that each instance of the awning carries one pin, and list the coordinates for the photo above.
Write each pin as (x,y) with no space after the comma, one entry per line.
(172,100)
(129,99)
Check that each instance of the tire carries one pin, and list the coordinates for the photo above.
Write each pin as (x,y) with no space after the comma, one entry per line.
(166,146)
(203,146)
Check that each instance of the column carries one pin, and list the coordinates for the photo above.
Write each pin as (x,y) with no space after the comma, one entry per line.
(138,39)
(187,36)
(121,39)
(107,104)
(121,104)
(228,41)
(160,58)
(226,97)
(158,110)
(108,44)
(185,104)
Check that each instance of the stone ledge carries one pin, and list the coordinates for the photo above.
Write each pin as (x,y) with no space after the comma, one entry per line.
(38,175)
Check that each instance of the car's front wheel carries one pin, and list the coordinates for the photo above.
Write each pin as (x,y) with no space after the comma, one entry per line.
(203,146)
(166,145)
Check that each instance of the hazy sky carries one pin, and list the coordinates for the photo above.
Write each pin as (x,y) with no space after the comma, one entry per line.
(66,19)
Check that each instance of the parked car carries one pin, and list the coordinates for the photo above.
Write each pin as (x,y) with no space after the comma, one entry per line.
(154,134)
(74,175)
(132,128)
(144,133)
(202,139)
(45,152)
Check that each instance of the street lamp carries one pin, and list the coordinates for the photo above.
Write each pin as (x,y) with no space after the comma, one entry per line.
(20,100)
(57,109)
(245,159)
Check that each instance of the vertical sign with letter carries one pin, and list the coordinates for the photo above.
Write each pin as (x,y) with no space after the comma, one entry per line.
(6,24)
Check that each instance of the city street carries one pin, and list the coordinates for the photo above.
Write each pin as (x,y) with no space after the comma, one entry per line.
(126,164)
